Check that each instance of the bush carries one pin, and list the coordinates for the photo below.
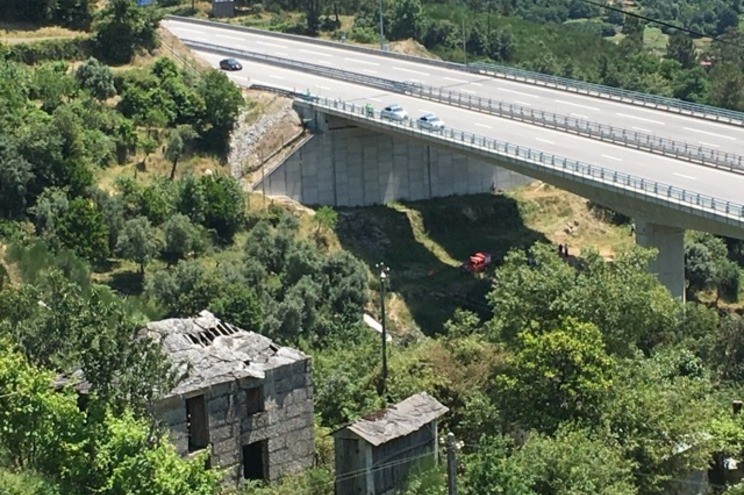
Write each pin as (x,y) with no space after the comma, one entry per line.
(363,35)
(78,48)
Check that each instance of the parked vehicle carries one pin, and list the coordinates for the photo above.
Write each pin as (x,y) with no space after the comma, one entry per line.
(477,263)
(230,64)
(394,112)
(430,122)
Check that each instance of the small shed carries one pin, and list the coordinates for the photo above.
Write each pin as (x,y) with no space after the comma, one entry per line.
(375,453)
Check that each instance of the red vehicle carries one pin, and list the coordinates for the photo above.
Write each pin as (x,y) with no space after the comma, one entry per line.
(477,263)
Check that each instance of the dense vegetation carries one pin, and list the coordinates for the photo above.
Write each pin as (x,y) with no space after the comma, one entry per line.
(577,376)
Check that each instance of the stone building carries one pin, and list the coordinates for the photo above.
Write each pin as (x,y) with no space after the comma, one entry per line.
(374,454)
(243,397)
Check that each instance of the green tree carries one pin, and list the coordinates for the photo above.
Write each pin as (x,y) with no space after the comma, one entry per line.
(224,206)
(123,29)
(82,228)
(558,374)
(15,176)
(681,49)
(494,471)
(178,143)
(407,20)
(38,422)
(139,241)
(97,78)
(576,462)
(181,238)
(222,104)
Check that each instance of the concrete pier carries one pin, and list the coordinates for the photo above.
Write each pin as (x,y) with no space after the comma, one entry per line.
(669,265)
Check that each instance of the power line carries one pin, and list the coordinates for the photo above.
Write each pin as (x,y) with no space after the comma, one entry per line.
(662,23)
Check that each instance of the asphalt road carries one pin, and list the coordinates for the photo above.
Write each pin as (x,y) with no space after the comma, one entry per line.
(694,178)
(681,128)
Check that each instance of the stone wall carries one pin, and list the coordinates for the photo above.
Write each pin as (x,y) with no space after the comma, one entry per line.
(351,166)
(286,422)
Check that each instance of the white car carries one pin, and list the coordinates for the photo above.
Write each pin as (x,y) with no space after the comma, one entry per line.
(394,112)
(430,122)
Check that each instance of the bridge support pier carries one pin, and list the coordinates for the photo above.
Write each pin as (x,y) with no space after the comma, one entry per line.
(669,265)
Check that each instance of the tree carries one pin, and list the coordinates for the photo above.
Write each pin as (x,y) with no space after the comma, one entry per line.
(178,141)
(406,20)
(15,176)
(558,374)
(181,238)
(541,287)
(681,49)
(577,462)
(493,470)
(325,217)
(83,229)
(222,104)
(96,77)
(125,28)
(224,206)
(139,241)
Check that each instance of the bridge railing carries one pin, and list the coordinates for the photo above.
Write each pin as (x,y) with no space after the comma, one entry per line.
(611,93)
(616,135)
(721,209)
(561,83)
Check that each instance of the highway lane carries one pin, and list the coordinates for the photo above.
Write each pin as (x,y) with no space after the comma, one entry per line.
(697,132)
(712,182)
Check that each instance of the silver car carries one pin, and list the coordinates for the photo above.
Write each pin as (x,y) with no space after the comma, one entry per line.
(430,122)
(394,112)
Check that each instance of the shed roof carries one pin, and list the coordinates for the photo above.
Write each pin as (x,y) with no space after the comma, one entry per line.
(399,420)
(207,351)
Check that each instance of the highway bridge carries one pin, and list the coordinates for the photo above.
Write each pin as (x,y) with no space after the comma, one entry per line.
(664,194)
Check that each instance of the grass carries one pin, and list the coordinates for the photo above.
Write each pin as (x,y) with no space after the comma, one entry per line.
(17,32)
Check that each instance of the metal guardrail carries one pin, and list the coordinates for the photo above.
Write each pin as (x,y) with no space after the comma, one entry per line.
(616,135)
(608,92)
(731,213)
(561,83)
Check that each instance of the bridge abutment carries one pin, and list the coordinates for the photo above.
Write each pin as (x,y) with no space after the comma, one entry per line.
(669,265)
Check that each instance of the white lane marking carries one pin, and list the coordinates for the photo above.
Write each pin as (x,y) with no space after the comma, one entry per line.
(228,37)
(324,87)
(454,79)
(518,93)
(595,109)
(412,71)
(242,78)
(708,133)
(266,43)
(313,52)
(648,131)
(468,91)
(476,84)
(684,176)
(275,77)
(484,125)
(424,110)
(579,115)
(357,61)
(373,99)
(187,30)
(523,103)
(545,140)
(709,144)
(612,158)
(369,71)
(640,118)
(281,54)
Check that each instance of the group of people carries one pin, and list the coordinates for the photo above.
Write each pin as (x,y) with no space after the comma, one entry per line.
(563,250)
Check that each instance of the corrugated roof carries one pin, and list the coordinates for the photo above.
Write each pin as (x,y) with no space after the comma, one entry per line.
(398,420)
(207,351)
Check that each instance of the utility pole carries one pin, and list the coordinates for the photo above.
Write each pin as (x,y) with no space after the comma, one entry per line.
(451,465)
(382,31)
(464,42)
(383,272)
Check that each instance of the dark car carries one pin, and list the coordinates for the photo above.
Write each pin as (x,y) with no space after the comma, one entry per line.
(230,64)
